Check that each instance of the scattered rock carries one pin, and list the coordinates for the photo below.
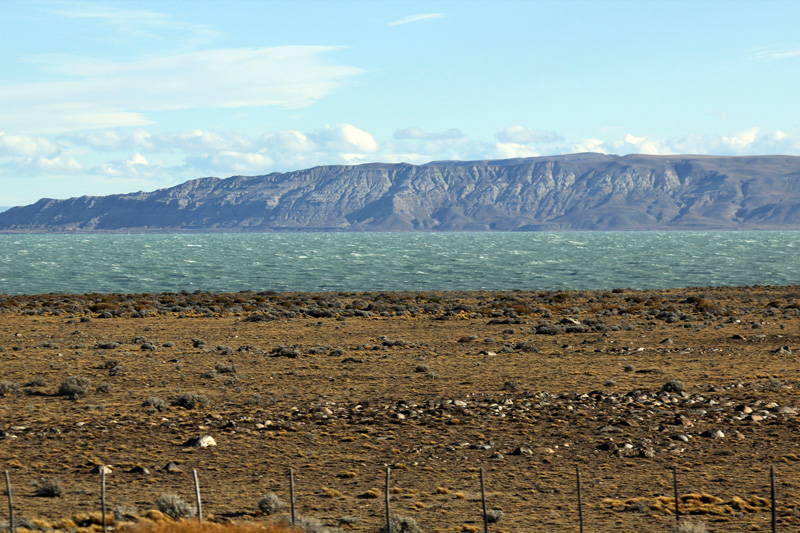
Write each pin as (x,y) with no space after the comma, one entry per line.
(172,468)
(202,441)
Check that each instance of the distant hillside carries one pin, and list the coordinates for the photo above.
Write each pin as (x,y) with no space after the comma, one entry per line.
(4,208)
(571,192)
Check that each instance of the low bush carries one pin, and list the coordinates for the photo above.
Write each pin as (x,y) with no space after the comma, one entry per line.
(47,488)
(190,400)
(8,387)
(270,504)
(75,387)
(154,404)
(402,524)
(174,506)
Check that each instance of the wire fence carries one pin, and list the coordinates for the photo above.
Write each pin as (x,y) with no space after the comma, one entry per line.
(680,512)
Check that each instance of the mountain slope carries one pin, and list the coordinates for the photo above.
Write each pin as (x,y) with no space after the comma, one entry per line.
(578,191)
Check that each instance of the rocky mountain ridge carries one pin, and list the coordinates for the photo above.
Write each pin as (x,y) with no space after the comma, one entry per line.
(571,192)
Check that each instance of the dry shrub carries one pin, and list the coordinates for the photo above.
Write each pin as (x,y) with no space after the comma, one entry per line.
(174,506)
(271,503)
(75,387)
(402,524)
(48,488)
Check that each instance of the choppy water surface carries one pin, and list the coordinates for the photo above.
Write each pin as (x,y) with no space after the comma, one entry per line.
(32,264)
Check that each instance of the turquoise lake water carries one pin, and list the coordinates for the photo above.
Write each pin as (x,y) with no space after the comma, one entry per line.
(33,264)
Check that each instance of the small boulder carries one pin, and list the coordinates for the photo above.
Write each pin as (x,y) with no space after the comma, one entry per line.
(203,441)
(172,468)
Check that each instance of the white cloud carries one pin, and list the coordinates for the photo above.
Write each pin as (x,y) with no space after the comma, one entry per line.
(199,140)
(38,165)
(345,139)
(771,54)
(117,94)
(136,23)
(513,150)
(416,18)
(137,167)
(27,146)
(56,164)
(523,135)
(147,160)
(741,140)
(228,163)
(418,134)
(748,142)
(289,141)
(589,145)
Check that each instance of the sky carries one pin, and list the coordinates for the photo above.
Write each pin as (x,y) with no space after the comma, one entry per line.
(105,97)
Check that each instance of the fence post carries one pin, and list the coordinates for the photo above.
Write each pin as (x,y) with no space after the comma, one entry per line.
(772,493)
(388,515)
(197,496)
(675,490)
(11,527)
(291,492)
(103,496)
(580,499)
(483,501)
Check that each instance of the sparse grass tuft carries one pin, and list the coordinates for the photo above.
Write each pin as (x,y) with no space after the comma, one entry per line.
(371,494)
(689,527)
(148,526)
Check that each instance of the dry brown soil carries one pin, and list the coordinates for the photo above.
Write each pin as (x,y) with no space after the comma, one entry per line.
(415,386)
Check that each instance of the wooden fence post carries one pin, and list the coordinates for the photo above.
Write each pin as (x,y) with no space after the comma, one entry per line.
(197,496)
(11,526)
(580,499)
(772,493)
(388,515)
(483,501)
(675,491)
(103,496)
(291,492)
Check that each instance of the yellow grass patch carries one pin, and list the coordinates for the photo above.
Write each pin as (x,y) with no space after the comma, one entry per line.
(193,526)
(690,504)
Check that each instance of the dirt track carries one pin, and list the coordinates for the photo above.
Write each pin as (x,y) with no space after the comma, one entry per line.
(527,385)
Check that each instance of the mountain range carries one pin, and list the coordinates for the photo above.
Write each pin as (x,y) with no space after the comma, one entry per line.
(587,191)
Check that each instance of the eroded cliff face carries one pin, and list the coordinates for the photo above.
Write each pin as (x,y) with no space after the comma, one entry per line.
(572,192)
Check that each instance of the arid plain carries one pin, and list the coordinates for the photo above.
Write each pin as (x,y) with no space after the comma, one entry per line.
(623,384)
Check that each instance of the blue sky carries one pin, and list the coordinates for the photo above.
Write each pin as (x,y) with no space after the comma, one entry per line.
(109,97)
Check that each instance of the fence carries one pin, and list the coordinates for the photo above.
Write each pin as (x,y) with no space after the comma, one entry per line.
(487,516)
